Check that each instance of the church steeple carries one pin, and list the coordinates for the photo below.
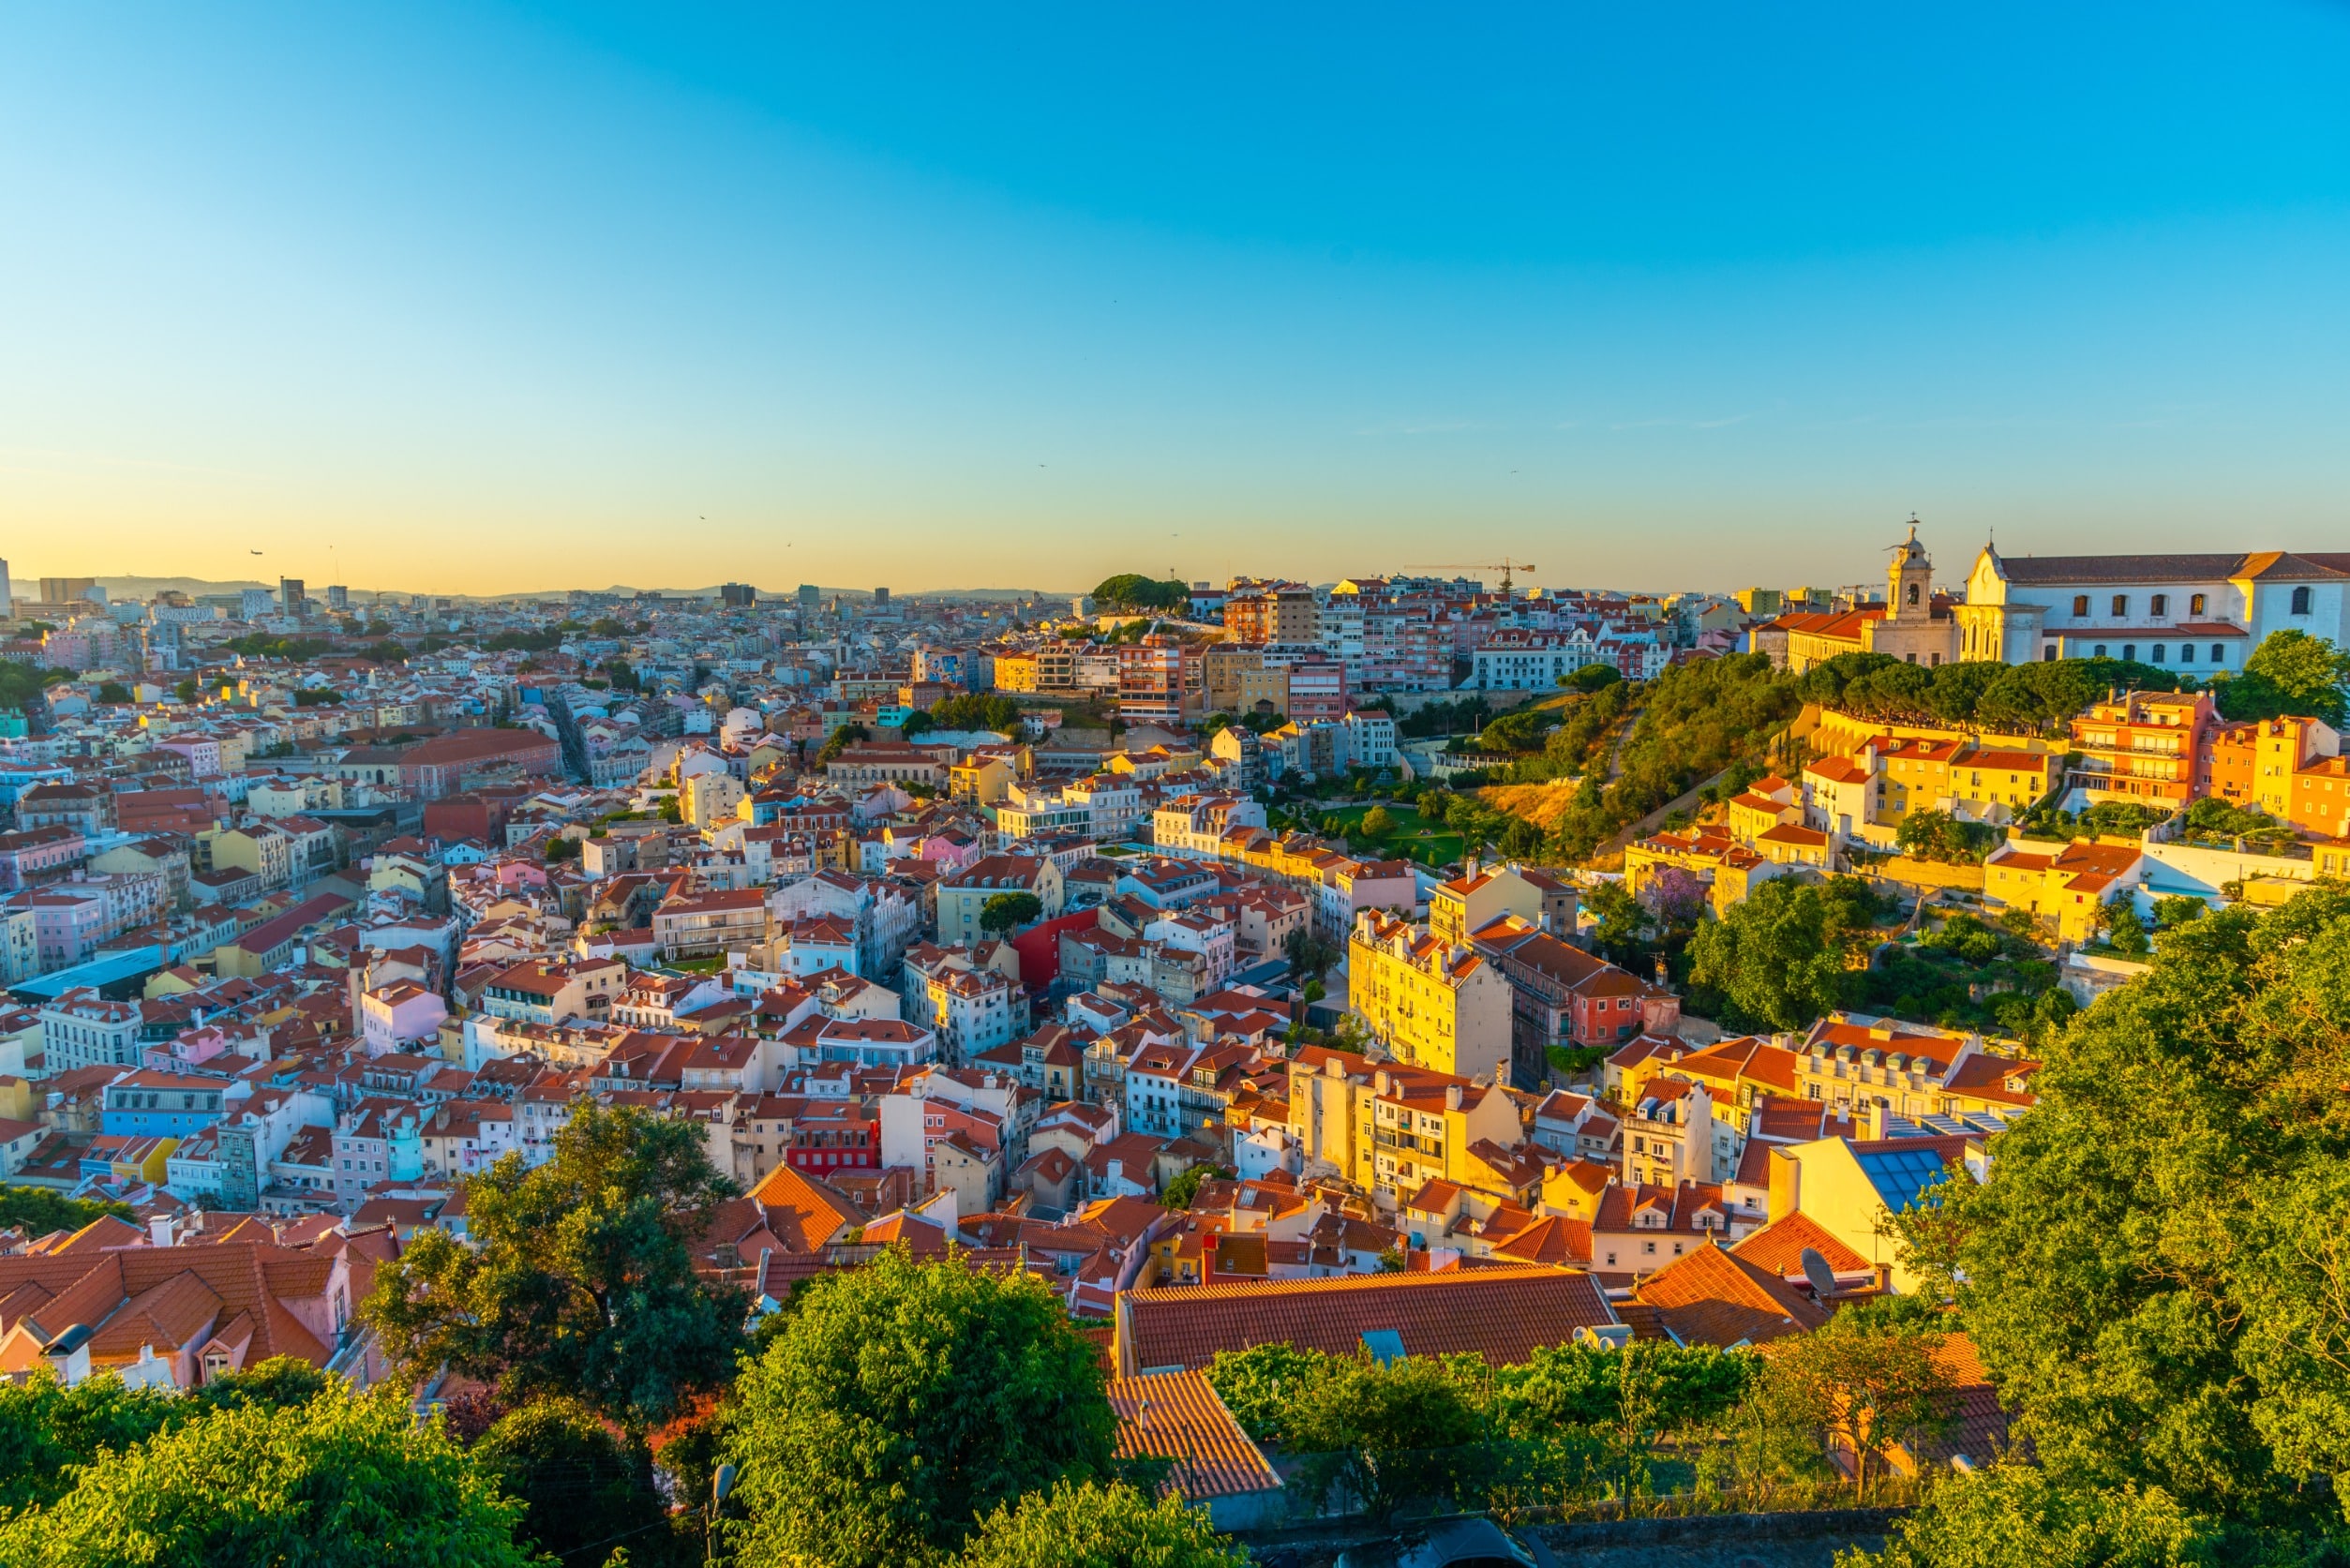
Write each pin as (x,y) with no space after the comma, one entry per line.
(1909,579)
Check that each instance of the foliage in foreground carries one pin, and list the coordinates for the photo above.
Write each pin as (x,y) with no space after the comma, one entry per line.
(2153,1272)
(905,1403)
(1093,1526)
(340,1480)
(579,1281)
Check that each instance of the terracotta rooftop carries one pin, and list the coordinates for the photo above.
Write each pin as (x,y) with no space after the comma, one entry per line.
(1503,1314)
(1176,1416)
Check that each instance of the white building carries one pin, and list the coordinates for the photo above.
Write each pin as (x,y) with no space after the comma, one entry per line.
(2196,613)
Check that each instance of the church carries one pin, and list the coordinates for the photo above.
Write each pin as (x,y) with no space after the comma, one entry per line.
(2200,614)
(1913,623)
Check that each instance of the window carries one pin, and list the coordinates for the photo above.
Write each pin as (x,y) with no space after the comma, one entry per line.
(2219,654)
(2159,605)
(2195,603)
(2099,651)
(2121,603)
(2048,652)
(2186,654)
(2080,603)
(2158,653)
(2300,600)
(1913,593)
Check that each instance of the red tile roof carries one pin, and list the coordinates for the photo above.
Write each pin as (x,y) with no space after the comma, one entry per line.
(1505,1314)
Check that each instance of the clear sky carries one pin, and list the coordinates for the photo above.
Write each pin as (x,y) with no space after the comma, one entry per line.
(483,298)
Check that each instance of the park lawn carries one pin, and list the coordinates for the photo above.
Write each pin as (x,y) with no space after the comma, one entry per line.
(1429,844)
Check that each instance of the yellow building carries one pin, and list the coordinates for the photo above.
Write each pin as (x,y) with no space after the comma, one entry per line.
(2067,886)
(705,800)
(1999,784)
(984,781)
(1052,668)
(1729,871)
(1468,904)
(1391,1127)
(1436,1004)
(1765,804)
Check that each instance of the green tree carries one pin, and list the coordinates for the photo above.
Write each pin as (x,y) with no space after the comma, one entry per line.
(1775,958)
(561,847)
(905,1402)
(579,1485)
(279,1383)
(977,710)
(1092,1526)
(842,738)
(1937,835)
(1378,823)
(46,1431)
(40,1211)
(2151,1270)
(1385,1435)
(2291,672)
(1005,913)
(1133,590)
(1861,1384)
(578,1279)
(1186,1184)
(338,1481)
(1591,677)
(1622,922)
(1309,954)
(112,690)
(2014,1515)
(187,691)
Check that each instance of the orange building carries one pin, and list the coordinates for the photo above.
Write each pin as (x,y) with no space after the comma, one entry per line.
(2150,747)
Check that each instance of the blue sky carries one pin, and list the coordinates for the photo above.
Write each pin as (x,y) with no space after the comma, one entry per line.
(483,298)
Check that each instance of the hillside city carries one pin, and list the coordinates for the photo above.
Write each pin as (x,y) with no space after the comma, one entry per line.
(1454,1052)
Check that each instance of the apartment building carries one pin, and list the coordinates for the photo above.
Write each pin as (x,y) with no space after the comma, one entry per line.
(1437,1005)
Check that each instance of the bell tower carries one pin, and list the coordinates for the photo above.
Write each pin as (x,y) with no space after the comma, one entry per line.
(1909,580)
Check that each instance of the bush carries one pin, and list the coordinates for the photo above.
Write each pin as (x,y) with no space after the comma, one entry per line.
(578,1484)
(338,1481)
(1091,1526)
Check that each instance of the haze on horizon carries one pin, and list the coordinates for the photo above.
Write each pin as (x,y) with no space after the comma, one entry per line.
(495,298)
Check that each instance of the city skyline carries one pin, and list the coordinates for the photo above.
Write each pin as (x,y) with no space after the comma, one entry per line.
(480,301)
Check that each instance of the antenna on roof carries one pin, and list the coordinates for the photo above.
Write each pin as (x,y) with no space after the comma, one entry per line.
(1815,1269)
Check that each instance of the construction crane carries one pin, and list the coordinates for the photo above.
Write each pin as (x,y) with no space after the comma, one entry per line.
(1504,566)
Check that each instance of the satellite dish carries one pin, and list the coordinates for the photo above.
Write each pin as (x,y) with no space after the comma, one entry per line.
(1816,1269)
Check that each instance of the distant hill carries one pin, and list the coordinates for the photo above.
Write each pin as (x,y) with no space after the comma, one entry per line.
(147,587)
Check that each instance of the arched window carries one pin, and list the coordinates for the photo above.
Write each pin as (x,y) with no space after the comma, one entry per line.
(2186,654)
(2121,603)
(2195,603)
(2161,604)
(2080,603)
(2300,600)
(2130,650)
(2158,653)
(2048,652)
(2098,652)
(2219,654)
(1913,593)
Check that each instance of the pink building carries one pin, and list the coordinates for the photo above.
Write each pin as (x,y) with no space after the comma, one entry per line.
(396,1015)
(201,751)
(36,855)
